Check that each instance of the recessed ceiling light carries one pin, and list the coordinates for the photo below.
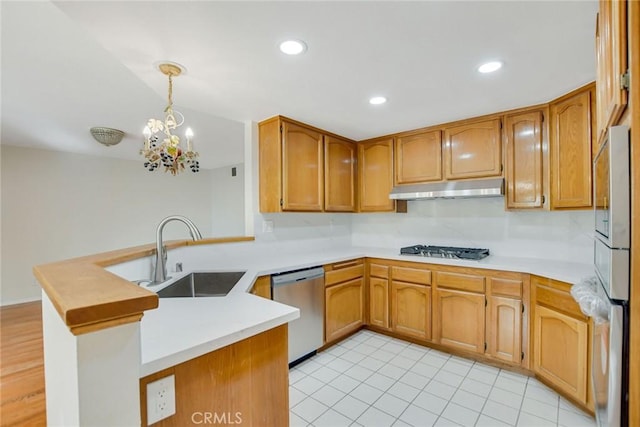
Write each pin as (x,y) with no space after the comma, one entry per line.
(490,67)
(293,47)
(377,100)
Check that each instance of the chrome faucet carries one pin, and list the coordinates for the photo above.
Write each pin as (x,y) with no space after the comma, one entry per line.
(160,274)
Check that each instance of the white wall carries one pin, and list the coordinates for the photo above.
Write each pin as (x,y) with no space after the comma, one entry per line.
(227,199)
(59,205)
(561,235)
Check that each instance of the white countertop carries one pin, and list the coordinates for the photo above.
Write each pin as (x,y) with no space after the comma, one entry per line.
(185,328)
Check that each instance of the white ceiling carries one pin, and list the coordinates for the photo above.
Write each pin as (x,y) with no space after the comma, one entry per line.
(68,66)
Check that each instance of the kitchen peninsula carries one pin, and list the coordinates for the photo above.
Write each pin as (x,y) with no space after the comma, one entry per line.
(104,325)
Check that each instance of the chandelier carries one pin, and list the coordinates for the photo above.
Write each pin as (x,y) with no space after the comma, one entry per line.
(161,146)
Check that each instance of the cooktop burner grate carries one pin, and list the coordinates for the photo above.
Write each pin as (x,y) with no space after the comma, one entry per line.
(445,252)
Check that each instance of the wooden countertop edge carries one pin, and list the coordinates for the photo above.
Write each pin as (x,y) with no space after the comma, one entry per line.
(89,298)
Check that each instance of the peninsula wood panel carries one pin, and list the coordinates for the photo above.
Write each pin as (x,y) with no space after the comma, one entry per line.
(611,60)
(302,168)
(473,150)
(379,302)
(375,175)
(411,309)
(571,151)
(344,308)
(262,287)
(560,349)
(232,382)
(459,319)
(418,157)
(523,159)
(339,175)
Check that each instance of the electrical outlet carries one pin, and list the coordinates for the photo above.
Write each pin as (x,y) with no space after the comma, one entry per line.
(161,399)
(267,226)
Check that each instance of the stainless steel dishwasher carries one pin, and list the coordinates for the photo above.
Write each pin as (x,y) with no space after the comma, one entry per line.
(303,289)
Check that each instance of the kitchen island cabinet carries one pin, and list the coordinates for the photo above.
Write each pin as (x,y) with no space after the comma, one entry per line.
(244,383)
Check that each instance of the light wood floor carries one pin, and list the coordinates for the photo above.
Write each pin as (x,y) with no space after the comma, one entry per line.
(22,400)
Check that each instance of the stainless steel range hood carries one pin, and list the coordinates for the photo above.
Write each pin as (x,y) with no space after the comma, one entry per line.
(493,187)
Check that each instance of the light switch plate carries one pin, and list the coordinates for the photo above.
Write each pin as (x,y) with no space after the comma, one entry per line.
(161,399)
(267,226)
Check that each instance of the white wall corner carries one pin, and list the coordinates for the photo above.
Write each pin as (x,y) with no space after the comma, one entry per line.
(251,186)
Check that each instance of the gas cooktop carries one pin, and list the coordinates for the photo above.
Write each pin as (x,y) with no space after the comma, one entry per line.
(445,252)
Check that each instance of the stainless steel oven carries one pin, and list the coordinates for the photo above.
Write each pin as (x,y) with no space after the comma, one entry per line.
(610,308)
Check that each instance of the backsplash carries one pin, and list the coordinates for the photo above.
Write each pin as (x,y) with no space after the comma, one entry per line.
(558,235)
(333,229)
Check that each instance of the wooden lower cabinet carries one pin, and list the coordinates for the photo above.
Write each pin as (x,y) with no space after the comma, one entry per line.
(504,329)
(560,349)
(460,319)
(344,308)
(411,309)
(262,287)
(379,302)
(233,383)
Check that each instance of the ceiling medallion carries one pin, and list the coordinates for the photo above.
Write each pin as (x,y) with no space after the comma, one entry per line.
(161,146)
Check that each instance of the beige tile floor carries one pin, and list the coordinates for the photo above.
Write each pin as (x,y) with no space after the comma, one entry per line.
(373,380)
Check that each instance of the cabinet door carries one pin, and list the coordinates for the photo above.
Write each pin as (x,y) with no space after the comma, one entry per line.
(339,175)
(343,309)
(560,351)
(504,320)
(418,157)
(379,302)
(523,158)
(375,169)
(473,150)
(460,319)
(570,146)
(411,309)
(611,59)
(302,169)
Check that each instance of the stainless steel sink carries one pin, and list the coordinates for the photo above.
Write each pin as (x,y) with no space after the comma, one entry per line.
(202,284)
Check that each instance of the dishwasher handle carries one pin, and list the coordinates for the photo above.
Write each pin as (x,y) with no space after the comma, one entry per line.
(297,276)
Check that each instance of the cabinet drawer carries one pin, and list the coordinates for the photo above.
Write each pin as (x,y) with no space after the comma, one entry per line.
(558,300)
(465,282)
(412,275)
(341,272)
(506,287)
(377,270)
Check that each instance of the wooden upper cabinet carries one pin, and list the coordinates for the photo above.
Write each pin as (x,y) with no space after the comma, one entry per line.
(339,175)
(570,143)
(523,158)
(473,150)
(302,169)
(611,60)
(418,157)
(375,175)
(305,169)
